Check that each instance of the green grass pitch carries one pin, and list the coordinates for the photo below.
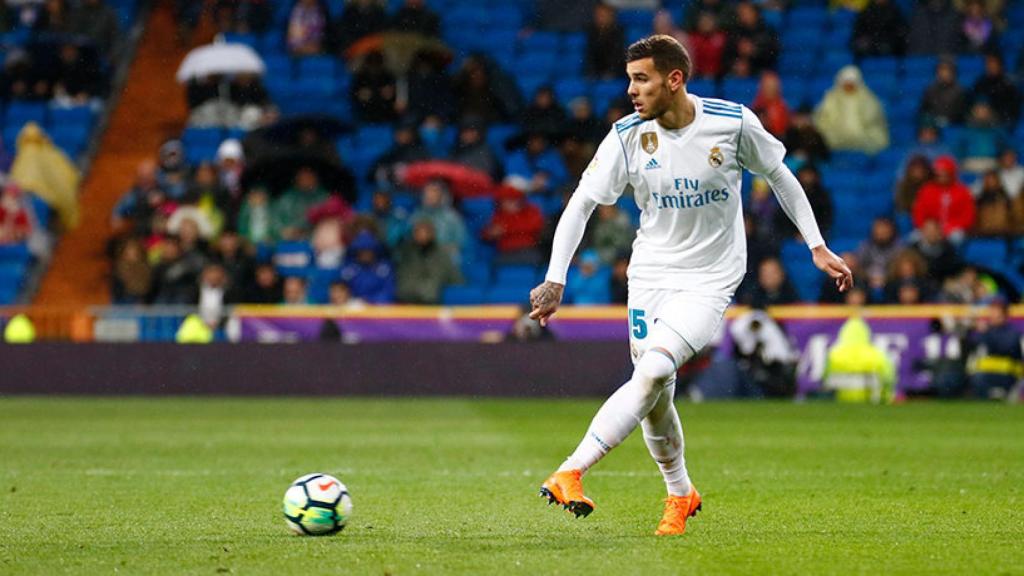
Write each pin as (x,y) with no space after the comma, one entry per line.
(194,486)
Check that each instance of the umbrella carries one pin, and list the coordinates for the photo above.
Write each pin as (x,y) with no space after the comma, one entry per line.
(463,181)
(278,171)
(220,58)
(398,48)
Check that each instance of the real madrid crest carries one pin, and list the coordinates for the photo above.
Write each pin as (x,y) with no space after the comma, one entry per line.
(716,158)
(649,142)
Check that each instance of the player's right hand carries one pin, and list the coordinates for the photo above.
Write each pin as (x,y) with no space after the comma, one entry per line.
(545,300)
(828,262)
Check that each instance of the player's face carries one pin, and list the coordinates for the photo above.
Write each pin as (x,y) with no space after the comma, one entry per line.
(648,89)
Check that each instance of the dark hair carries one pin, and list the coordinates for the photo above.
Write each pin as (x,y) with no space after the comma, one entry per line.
(668,54)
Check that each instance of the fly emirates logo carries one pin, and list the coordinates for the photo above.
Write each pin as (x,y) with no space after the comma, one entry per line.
(689,195)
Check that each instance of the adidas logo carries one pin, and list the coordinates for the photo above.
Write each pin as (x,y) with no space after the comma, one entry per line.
(652,165)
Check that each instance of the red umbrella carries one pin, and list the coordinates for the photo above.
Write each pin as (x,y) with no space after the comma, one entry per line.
(464,182)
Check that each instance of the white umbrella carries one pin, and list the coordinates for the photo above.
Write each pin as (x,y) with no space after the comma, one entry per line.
(220,58)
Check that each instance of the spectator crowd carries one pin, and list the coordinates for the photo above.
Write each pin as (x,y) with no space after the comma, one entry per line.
(313,224)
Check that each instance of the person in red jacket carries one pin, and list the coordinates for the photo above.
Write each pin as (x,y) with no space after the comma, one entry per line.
(946,200)
(515,227)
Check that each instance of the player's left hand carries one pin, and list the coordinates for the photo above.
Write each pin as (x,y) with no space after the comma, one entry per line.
(827,261)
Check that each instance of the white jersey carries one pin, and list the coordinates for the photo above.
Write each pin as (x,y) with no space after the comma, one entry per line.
(687,185)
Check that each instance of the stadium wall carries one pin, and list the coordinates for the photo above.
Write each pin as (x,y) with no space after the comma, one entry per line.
(316,369)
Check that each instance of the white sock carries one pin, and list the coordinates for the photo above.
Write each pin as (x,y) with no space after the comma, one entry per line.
(663,435)
(622,412)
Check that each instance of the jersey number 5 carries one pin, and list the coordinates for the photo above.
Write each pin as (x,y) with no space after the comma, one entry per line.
(637,323)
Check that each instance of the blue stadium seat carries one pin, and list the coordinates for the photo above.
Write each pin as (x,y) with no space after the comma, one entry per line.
(630,18)
(844,160)
(73,116)
(508,294)
(250,40)
(807,17)
(477,272)
(317,67)
(13,274)
(516,274)
(703,87)
(569,88)
(574,41)
(462,295)
(742,90)
(920,66)
(887,65)
(42,210)
(606,91)
(20,113)
(986,252)
(535,63)
(540,42)
(498,134)
(15,253)
(196,136)
(293,258)
(969,69)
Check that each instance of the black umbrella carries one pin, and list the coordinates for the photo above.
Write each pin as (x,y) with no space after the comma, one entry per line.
(277,173)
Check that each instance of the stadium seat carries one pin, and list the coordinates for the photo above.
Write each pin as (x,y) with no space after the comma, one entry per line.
(742,90)
(477,272)
(194,136)
(703,87)
(293,258)
(882,65)
(73,116)
(17,253)
(570,88)
(540,42)
(516,274)
(462,295)
(317,67)
(20,113)
(807,18)
(986,252)
(639,17)
(508,294)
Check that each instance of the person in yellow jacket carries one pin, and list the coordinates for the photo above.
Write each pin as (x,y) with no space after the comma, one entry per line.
(857,370)
(194,331)
(19,330)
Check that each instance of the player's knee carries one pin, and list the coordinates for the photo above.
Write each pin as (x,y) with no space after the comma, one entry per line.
(655,369)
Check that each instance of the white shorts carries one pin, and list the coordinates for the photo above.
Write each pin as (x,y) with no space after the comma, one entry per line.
(692,317)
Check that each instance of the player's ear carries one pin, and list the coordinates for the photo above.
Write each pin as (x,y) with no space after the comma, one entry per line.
(676,79)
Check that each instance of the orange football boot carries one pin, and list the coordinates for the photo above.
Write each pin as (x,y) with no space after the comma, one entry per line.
(677,510)
(567,489)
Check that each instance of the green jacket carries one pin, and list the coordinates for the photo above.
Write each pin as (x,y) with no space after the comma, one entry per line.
(290,209)
(422,274)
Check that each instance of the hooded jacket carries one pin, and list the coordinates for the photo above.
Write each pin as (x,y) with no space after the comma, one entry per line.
(852,120)
(853,353)
(950,204)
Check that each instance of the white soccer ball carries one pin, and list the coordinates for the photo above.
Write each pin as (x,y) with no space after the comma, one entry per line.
(317,505)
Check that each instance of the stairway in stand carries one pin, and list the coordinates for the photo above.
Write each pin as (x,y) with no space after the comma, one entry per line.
(151,109)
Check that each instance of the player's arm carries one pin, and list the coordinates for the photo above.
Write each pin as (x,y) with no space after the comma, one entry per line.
(546,298)
(762,153)
(602,183)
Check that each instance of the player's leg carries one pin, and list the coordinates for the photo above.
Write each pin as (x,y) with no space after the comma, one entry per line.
(618,417)
(695,319)
(663,434)
(633,401)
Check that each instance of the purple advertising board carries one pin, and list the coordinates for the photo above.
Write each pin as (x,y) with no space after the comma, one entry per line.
(906,334)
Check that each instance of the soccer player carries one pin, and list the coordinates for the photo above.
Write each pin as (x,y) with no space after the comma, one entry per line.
(683,156)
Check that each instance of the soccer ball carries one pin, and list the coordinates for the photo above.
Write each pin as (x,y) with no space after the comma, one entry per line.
(317,505)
